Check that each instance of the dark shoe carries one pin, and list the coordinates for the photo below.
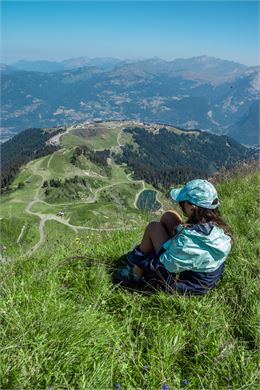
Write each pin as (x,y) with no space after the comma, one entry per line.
(127,275)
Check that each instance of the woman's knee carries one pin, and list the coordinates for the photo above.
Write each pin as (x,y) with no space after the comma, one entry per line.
(170,220)
(171,217)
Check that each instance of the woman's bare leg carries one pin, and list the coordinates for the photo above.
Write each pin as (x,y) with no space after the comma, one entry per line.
(154,236)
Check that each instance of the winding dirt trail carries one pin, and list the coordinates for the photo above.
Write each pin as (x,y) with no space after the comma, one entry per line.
(47,217)
(36,170)
(39,171)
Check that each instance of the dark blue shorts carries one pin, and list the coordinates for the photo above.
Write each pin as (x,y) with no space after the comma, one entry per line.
(157,276)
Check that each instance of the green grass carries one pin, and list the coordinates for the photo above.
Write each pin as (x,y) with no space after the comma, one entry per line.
(59,165)
(21,195)
(72,140)
(66,326)
(24,176)
(99,137)
(87,166)
(102,215)
(55,231)
(10,232)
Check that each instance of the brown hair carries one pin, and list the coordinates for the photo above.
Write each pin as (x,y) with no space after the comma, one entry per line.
(202,214)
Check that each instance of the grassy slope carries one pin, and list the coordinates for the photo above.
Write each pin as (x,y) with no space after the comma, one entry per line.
(64,325)
(101,207)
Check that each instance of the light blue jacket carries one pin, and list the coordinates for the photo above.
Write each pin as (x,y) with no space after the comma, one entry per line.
(200,248)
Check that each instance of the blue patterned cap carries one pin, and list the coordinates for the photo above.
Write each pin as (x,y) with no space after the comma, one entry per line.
(199,192)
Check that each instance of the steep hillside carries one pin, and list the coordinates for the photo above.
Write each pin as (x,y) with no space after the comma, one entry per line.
(168,155)
(26,146)
(64,325)
(247,130)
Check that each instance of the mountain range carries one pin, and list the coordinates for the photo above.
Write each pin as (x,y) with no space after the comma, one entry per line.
(203,93)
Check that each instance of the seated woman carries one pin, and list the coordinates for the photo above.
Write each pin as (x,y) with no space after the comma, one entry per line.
(187,257)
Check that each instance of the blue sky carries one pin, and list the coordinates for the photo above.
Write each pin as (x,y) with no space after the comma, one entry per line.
(57,30)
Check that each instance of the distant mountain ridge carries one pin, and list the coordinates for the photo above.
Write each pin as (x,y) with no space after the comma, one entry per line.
(69,64)
(202,92)
(200,63)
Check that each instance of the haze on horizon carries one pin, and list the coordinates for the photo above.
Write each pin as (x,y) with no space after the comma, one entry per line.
(60,30)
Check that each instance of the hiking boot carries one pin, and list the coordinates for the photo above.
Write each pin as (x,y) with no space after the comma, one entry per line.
(127,275)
